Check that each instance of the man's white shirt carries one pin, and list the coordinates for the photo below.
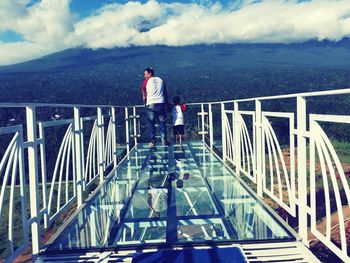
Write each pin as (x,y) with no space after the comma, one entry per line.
(155,90)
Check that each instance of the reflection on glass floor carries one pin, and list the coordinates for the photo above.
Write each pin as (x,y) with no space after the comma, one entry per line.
(170,195)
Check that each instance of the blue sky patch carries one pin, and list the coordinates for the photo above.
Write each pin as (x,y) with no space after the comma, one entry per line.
(10,36)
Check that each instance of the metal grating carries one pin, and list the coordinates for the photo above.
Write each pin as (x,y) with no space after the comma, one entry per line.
(278,252)
(286,252)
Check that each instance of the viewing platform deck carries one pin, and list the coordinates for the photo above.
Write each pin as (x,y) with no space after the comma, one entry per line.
(176,197)
(86,187)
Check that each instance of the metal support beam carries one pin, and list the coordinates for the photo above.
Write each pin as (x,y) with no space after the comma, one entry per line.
(127,135)
(43,174)
(258,153)
(100,144)
(223,132)
(236,129)
(33,178)
(114,138)
(302,182)
(135,127)
(78,155)
(211,127)
(202,118)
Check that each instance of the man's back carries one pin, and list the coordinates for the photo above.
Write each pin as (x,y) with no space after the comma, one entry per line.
(155,90)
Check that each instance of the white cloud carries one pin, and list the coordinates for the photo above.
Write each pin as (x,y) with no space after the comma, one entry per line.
(10,10)
(50,26)
(44,27)
(11,53)
(47,22)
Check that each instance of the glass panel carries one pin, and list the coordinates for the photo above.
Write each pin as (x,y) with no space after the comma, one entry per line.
(150,203)
(194,201)
(176,194)
(200,229)
(142,232)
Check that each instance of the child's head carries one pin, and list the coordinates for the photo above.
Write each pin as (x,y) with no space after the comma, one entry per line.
(176,100)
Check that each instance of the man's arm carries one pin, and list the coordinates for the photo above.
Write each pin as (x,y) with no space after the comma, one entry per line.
(144,92)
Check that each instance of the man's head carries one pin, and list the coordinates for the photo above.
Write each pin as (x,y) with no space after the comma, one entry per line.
(148,73)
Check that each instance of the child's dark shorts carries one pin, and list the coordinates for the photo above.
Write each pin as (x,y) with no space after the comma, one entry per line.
(178,130)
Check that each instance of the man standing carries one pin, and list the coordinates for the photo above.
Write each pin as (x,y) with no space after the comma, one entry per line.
(155,98)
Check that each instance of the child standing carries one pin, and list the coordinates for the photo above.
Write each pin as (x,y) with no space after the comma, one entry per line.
(178,119)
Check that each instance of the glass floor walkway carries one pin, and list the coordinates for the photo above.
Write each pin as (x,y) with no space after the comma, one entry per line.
(166,196)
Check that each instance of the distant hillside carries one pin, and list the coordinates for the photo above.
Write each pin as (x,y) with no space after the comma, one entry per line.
(197,73)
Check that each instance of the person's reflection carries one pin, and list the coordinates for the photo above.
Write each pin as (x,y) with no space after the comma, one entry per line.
(157,193)
(158,170)
(157,201)
(180,173)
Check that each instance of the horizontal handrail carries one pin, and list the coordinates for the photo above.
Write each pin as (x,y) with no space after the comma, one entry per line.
(54,105)
(287,96)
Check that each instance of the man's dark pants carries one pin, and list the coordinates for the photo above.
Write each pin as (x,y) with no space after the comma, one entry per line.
(157,112)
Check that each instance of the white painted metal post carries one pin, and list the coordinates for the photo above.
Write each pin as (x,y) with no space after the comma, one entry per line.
(127,131)
(22,184)
(211,127)
(78,154)
(202,117)
(33,178)
(82,152)
(43,174)
(223,132)
(258,153)
(302,182)
(100,144)
(236,129)
(114,138)
(135,128)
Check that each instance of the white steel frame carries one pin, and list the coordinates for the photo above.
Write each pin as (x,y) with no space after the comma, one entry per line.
(251,150)
(69,170)
(293,182)
(11,168)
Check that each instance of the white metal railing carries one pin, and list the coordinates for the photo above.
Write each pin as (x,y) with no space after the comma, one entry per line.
(73,167)
(12,168)
(285,172)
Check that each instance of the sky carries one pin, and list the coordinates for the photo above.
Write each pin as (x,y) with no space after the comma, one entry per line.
(30,29)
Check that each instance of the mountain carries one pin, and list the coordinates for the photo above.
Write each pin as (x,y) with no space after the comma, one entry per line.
(196,73)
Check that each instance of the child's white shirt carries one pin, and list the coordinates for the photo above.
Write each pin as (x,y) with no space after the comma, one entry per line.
(177,115)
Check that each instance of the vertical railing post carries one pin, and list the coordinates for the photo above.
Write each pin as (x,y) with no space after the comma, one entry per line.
(43,174)
(202,118)
(302,181)
(114,138)
(100,144)
(258,153)
(33,178)
(223,132)
(236,138)
(22,183)
(127,140)
(135,127)
(211,127)
(83,179)
(78,155)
